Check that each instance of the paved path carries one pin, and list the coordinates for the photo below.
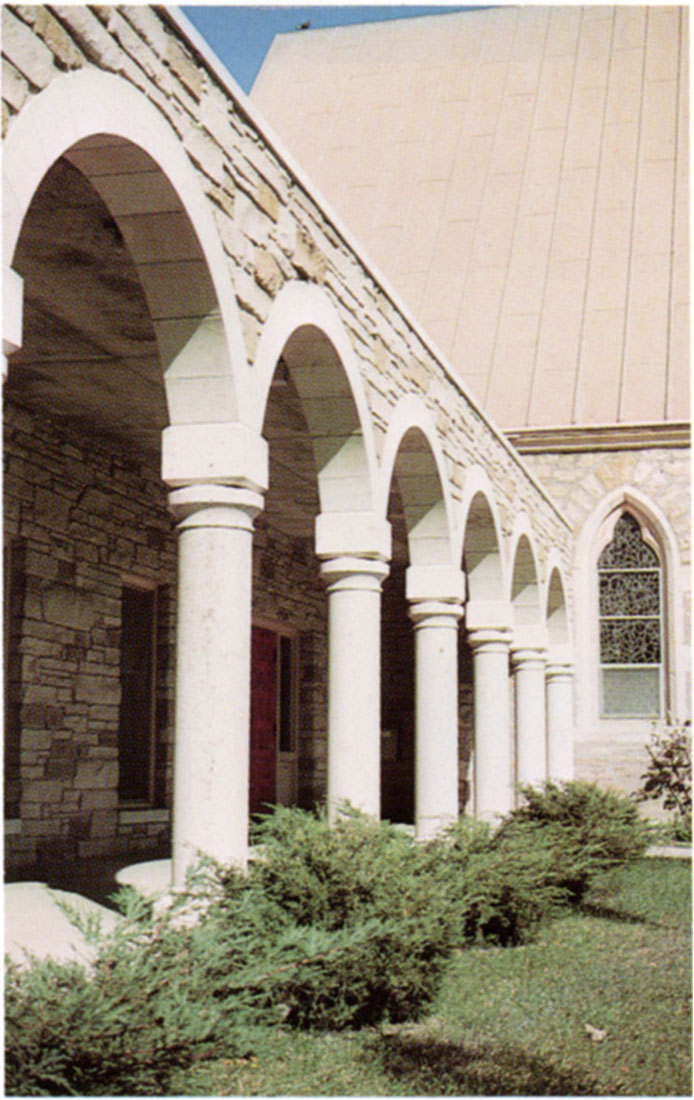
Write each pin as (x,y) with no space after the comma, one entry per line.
(36,924)
(669,851)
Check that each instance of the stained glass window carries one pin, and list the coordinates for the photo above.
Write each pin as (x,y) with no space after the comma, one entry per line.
(629,586)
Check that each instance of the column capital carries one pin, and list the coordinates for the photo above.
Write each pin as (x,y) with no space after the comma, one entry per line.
(486,615)
(212,505)
(527,657)
(530,636)
(489,640)
(560,662)
(354,535)
(441,583)
(435,613)
(529,646)
(220,454)
(350,572)
(556,670)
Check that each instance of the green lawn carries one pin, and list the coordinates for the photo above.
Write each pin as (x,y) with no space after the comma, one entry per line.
(512,1021)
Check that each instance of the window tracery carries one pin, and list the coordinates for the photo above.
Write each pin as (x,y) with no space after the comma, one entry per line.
(629,588)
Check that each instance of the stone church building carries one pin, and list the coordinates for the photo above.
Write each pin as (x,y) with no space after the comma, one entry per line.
(345,425)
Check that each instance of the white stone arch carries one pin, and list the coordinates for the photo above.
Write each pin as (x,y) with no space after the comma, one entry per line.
(412,446)
(594,536)
(555,604)
(524,590)
(305,331)
(89,112)
(481,545)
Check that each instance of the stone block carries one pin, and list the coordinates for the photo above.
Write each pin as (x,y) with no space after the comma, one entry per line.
(68,606)
(97,774)
(184,67)
(105,798)
(307,259)
(103,824)
(41,565)
(79,827)
(214,116)
(148,25)
(88,849)
(104,690)
(26,52)
(39,693)
(57,39)
(267,200)
(268,273)
(222,197)
(15,89)
(90,36)
(35,740)
(62,761)
(96,503)
(250,218)
(44,791)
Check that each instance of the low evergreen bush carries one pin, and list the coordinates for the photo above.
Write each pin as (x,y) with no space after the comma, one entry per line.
(148,1005)
(588,830)
(359,876)
(332,927)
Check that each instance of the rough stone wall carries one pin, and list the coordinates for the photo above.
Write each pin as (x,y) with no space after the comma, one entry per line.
(271,228)
(78,518)
(578,481)
(614,753)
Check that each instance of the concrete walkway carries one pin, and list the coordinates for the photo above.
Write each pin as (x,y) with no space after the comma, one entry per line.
(37,925)
(669,851)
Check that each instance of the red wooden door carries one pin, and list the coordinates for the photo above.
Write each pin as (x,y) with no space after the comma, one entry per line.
(263,719)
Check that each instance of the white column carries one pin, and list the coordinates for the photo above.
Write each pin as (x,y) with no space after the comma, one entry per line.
(213,636)
(528,666)
(218,473)
(435,595)
(489,636)
(559,688)
(354,549)
(354,682)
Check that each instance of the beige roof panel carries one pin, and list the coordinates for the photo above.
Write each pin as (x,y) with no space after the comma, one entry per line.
(520,174)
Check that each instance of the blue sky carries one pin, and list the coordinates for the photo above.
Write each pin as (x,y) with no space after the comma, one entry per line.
(241,35)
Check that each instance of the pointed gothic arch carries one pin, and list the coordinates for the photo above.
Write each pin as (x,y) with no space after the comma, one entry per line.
(648,526)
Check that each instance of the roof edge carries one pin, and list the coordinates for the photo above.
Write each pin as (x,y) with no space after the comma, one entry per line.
(602,437)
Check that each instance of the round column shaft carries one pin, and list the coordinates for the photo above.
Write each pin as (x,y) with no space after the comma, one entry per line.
(436,714)
(528,667)
(560,698)
(354,682)
(492,722)
(211,770)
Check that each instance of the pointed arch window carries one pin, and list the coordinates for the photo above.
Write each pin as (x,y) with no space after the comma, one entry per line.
(630,602)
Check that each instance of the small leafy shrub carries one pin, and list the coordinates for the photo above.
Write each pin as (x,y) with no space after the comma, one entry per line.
(669,775)
(588,830)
